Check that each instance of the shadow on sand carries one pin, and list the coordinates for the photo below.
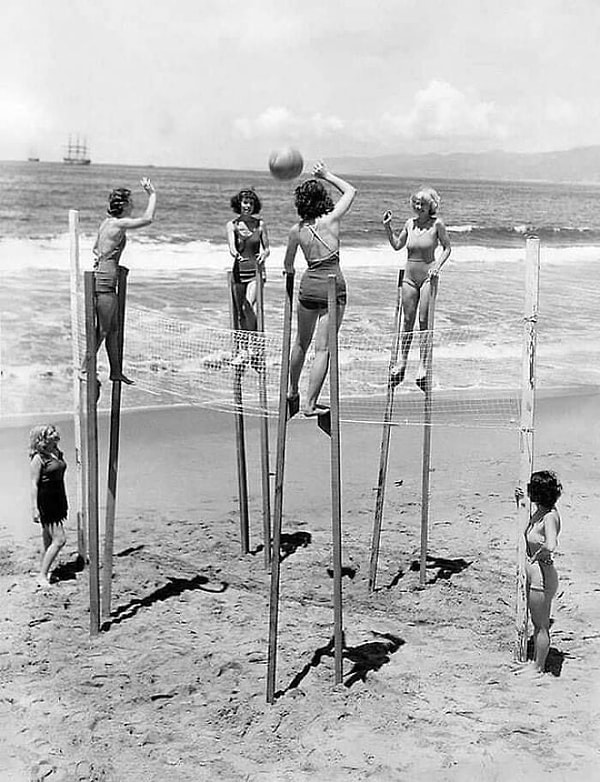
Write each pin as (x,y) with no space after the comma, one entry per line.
(445,568)
(366,657)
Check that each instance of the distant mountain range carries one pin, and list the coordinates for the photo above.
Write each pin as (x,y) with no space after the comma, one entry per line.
(573,165)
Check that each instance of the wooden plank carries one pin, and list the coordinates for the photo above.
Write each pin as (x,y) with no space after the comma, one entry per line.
(92,451)
(336,478)
(385,440)
(278,492)
(526,434)
(427,410)
(113,456)
(264,421)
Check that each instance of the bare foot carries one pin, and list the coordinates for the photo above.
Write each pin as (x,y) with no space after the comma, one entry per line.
(293,404)
(318,409)
(122,379)
(422,383)
(397,373)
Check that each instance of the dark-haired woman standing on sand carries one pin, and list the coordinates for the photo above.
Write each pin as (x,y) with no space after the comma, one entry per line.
(249,247)
(421,235)
(318,235)
(107,250)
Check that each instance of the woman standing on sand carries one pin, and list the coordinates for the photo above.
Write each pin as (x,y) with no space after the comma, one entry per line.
(107,250)
(48,497)
(421,235)
(318,234)
(541,537)
(249,247)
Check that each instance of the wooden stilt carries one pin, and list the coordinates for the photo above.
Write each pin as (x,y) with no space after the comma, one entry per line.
(92,451)
(433,286)
(113,457)
(526,434)
(278,493)
(264,422)
(385,439)
(240,437)
(336,489)
(77,329)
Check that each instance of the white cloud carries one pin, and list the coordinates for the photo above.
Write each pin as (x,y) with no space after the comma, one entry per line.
(441,111)
(279,122)
(561,111)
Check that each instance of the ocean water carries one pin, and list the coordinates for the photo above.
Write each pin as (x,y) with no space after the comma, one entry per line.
(178,266)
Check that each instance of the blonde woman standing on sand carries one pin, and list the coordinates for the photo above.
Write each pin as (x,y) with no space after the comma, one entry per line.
(421,235)
(48,496)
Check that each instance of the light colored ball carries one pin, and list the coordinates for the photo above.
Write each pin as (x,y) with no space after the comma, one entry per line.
(286,163)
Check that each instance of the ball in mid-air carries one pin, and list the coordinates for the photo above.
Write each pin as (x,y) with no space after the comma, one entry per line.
(286,163)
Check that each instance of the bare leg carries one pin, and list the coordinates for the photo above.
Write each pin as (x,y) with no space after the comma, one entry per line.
(410,303)
(320,365)
(307,320)
(112,350)
(539,609)
(424,335)
(54,538)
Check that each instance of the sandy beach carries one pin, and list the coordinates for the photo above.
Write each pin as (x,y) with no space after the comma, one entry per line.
(174,688)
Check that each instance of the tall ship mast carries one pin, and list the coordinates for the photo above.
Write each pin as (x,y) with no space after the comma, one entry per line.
(77,153)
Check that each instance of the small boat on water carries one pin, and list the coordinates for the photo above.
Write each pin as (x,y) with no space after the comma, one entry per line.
(77,153)
(33,160)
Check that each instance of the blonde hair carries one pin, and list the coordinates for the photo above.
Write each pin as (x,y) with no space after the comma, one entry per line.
(39,439)
(430,196)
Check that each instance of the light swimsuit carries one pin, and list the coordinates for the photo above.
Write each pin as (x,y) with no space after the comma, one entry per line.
(541,574)
(420,244)
(314,283)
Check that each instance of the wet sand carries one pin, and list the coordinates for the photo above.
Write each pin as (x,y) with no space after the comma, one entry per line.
(174,688)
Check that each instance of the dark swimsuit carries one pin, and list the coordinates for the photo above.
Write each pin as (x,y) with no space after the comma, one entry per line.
(106,273)
(314,282)
(248,246)
(51,496)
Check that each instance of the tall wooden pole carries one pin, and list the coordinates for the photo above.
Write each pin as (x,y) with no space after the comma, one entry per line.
(77,329)
(113,456)
(433,285)
(278,494)
(385,439)
(92,451)
(336,488)
(264,421)
(240,438)
(526,443)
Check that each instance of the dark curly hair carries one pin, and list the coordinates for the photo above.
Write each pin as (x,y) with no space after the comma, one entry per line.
(312,199)
(118,200)
(544,488)
(236,201)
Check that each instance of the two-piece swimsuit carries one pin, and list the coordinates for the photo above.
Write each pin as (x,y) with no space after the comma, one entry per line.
(313,292)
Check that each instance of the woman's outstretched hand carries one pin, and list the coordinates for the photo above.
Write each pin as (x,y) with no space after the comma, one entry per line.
(387,217)
(147,185)
(320,170)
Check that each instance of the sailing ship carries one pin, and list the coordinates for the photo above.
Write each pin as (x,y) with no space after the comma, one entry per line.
(77,153)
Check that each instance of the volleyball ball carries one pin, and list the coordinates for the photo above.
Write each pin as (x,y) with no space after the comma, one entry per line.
(286,163)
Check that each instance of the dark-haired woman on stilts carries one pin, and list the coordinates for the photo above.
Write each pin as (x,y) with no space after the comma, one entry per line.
(318,235)
(107,250)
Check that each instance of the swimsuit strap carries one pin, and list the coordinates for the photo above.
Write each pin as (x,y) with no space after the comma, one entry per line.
(316,235)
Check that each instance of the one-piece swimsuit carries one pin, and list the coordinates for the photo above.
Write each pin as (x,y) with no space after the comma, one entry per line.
(247,244)
(314,283)
(106,273)
(51,495)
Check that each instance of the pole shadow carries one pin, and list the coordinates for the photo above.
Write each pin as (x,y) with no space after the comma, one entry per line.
(366,657)
(291,542)
(173,588)
(446,568)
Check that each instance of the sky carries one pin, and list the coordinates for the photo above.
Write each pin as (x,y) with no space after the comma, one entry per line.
(218,84)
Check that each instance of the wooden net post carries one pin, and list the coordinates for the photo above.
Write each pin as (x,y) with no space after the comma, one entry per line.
(336,492)
(385,439)
(77,328)
(92,450)
(240,438)
(113,456)
(526,433)
(264,421)
(278,492)
(425,476)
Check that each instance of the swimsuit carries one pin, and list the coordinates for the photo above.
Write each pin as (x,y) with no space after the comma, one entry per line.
(541,574)
(106,272)
(51,495)
(418,243)
(314,283)
(247,243)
